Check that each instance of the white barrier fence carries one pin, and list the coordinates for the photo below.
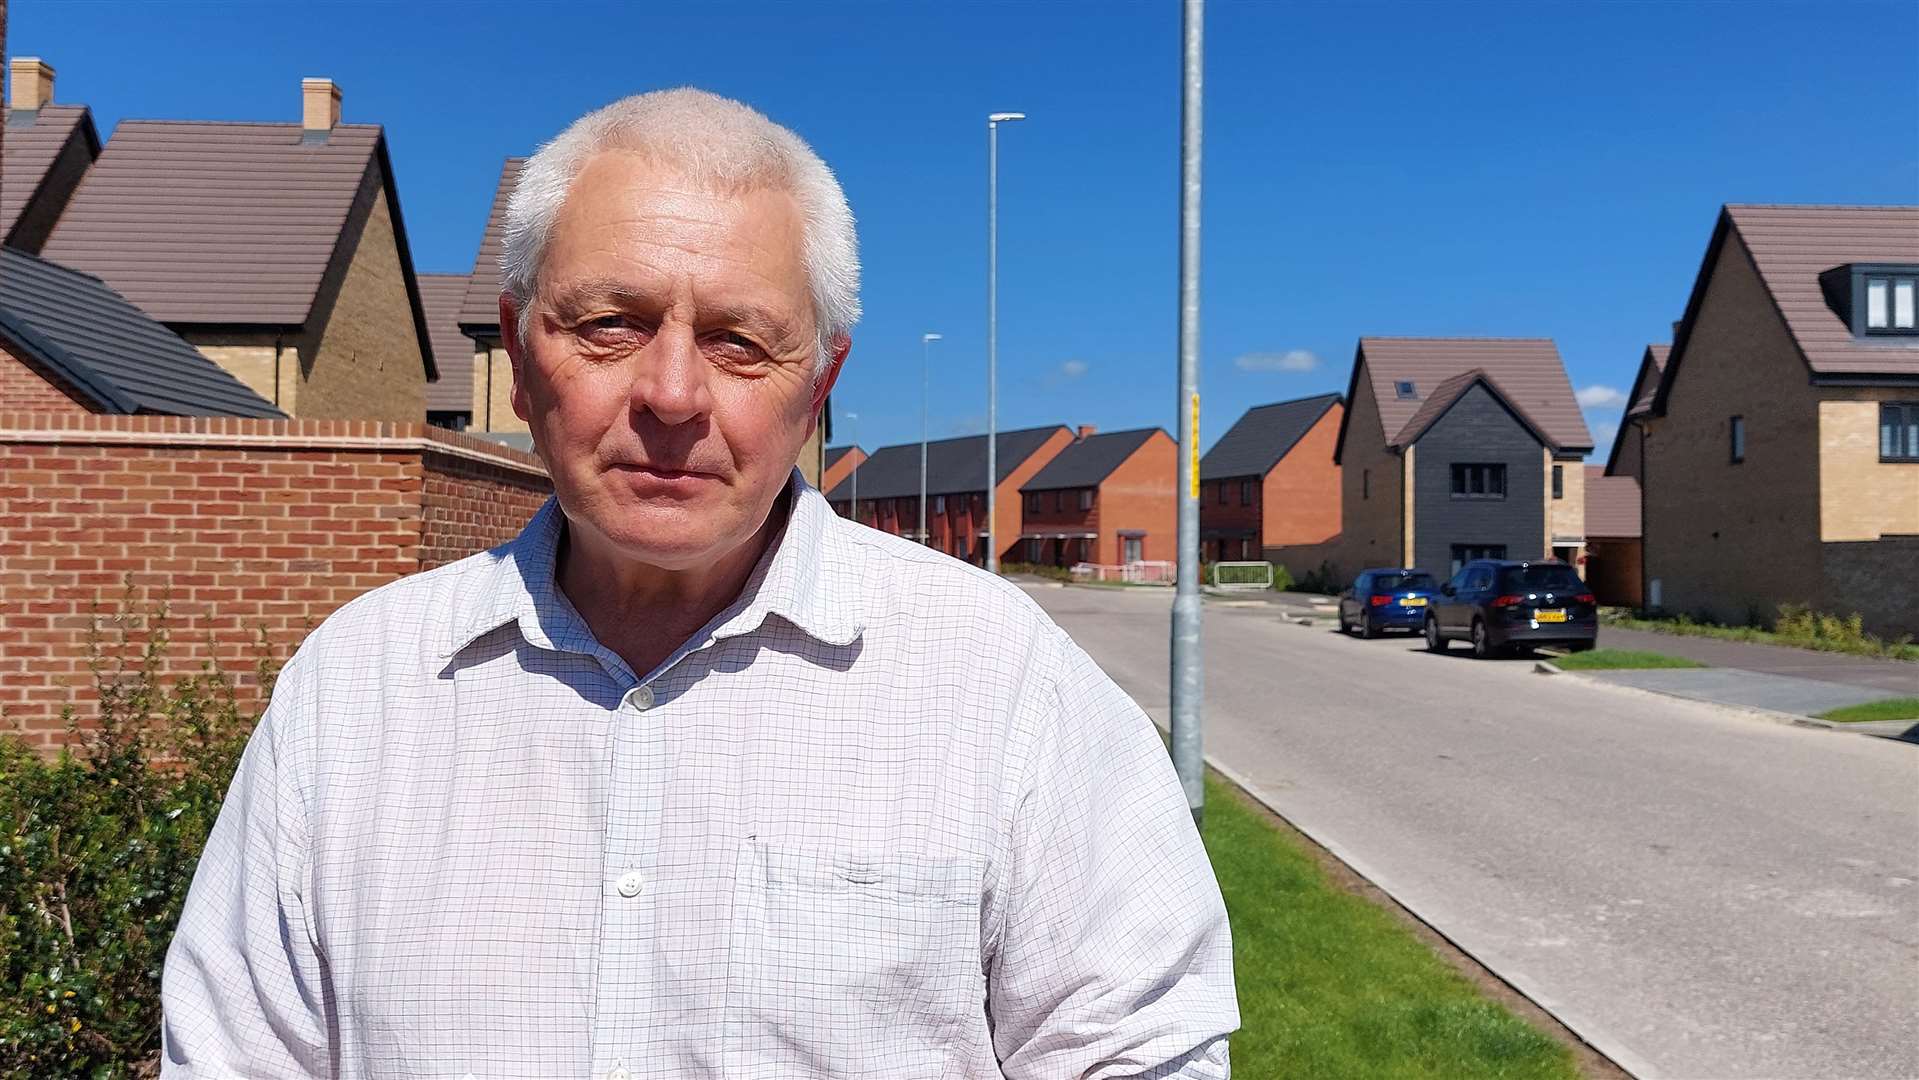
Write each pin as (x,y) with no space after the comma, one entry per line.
(1243,575)
(1143,572)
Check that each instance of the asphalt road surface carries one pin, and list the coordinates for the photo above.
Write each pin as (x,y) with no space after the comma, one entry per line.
(1697,892)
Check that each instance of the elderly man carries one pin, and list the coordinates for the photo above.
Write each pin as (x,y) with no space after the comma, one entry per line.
(694,778)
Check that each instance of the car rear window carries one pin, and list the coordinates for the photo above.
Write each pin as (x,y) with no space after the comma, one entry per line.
(1391,583)
(1543,578)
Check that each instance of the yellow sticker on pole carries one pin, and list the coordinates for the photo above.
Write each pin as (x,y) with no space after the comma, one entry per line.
(1195,430)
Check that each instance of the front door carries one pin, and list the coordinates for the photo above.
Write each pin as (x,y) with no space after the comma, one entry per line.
(1132,547)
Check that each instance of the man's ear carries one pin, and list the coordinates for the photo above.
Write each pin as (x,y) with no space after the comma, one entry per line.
(516,354)
(824,384)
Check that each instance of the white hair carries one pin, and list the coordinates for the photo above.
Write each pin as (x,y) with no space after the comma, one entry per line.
(714,141)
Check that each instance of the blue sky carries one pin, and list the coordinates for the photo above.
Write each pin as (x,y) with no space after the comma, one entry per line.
(1405,168)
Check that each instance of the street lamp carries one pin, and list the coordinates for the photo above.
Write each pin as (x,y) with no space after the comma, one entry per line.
(926,364)
(851,419)
(993,121)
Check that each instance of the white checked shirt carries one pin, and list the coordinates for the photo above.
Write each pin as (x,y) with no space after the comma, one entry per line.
(880,818)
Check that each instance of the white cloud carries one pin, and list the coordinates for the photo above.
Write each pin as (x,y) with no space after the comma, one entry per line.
(1597,396)
(1073,369)
(1603,432)
(1293,360)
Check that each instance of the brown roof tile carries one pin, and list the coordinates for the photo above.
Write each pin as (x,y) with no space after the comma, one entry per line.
(481,310)
(440,295)
(1445,394)
(1645,382)
(1792,245)
(215,222)
(1612,505)
(31,149)
(1527,372)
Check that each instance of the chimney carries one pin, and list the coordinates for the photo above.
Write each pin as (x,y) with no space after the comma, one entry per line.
(1085,430)
(32,83)
(320,108)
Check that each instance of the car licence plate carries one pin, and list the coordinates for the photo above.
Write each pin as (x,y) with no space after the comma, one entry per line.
(1412,601)
(1551,615)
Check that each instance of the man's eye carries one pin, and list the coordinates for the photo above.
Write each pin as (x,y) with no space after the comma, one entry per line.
(606,322)
(736,346)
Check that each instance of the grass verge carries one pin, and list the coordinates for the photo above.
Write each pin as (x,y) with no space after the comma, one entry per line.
(1808,632)
(1333,985)
(1899,708)
(1617,659)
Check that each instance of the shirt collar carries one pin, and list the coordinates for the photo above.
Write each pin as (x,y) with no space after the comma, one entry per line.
(808,576)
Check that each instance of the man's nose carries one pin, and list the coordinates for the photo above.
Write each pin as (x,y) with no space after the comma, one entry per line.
(672,381)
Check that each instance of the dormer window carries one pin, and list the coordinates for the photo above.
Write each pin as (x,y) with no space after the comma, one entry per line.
(1404,390)
(1875,299)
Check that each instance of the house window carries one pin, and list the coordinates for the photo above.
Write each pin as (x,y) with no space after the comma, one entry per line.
(1465,553)
(1889,303)
(1479,481)
(1221,486)
(1133,548)
(1032,502)
(1738,439)
(1245,493)
(1559,481)
(1405,390)
(939,504)
(1085,498)
(1899,431)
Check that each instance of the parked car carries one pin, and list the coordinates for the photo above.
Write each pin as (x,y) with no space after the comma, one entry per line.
(1387,599)
(1499,605)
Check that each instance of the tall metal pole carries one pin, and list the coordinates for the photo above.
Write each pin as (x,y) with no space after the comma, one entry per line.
(992,334)
(926,365)
(1189,758)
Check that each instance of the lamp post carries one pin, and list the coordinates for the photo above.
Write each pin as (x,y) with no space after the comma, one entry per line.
(1188,755)
(993,121)
(852,418)
(926,365)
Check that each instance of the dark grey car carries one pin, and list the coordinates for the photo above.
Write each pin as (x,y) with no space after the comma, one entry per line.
(1500,605)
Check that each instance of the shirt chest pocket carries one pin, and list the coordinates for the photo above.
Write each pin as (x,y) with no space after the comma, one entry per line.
(854,964)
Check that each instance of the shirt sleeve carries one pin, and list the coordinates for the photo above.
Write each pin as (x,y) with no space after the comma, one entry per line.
(243,991)
(1113,957)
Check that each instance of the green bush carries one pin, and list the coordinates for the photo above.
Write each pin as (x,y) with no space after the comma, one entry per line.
(1282,578)
(1055,573)
(97,848)
(1323,579)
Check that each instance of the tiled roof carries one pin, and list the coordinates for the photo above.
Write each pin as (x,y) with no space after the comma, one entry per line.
(1612,505)
(1646,383)
(1792,245)
(1527,371)
(1445,394)
(124,359)
(1089,461)
(480,313)
(30,150)
(953,466)
(1264,435)
(440,296)
(835,453)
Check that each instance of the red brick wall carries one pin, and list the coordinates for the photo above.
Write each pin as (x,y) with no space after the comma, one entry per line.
(1068,518)
(24,388)
(1007,500)
(1141,494)
(1300,500)
(240,526)
(1230,515)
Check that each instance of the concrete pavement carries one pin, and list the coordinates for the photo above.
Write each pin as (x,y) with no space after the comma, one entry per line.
(1697,894)
(1734,686)
(1896,677)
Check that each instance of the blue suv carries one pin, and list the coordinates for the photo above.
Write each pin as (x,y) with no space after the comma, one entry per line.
(1387,599)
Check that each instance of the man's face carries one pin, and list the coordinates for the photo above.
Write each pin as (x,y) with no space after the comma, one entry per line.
(667,372)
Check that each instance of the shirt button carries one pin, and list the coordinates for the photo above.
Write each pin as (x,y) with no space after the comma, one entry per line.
(643,698)
(630,884)
(619,1074)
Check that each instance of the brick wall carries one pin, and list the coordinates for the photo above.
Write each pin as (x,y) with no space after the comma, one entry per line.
(1301,494)
(1373,520)
(1139,496)
(241,526)
(25,386)
(366,360)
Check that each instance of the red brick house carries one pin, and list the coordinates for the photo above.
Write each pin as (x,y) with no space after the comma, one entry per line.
(888,485)
(1269,488)
(840,461)
(47,150)
(1106,499)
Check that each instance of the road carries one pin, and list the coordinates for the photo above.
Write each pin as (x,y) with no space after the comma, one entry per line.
(1697,892)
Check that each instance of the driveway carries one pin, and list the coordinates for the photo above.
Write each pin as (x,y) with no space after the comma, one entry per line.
(1697,893)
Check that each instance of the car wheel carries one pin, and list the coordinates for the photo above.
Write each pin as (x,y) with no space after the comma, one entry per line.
(1366,628)
(1434,640)
(1580,646)
(1482,641)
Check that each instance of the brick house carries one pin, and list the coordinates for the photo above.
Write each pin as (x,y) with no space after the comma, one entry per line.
(1104,498)
(1781,451)
(46,151)
(449,399)
(1614,556)
(888,485)
(1269,489)
(492,368)
(69,345)
(278,250)
(1460,448)
(838,463)
(1628,445)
